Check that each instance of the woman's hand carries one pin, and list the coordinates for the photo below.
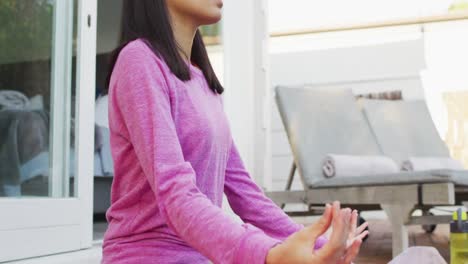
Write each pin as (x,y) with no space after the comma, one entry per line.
(298,248)
(356,232)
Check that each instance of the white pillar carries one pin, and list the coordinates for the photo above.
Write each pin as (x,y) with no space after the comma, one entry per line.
(84,131)
(245,38)
(61,98)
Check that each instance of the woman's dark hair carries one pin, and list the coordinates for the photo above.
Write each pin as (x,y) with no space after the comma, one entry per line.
(149,20)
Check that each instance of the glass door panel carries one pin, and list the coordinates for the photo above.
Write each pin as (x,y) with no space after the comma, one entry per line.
(46,91)
(36,91)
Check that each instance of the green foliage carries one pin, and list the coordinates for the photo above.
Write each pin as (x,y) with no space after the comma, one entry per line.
(211,30)
(459,5)
(25,30)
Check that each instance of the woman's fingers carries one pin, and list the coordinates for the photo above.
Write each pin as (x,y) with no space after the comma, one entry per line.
(362,235)
(353,223)
(320,227)
(346,238)
(355,231)
(298,248)
(361,228)
(336,247)
(358,237)
(352,252)
(354,217)
(346,220)
(337,223)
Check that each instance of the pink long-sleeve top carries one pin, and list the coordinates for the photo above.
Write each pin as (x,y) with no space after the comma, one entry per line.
(174,157)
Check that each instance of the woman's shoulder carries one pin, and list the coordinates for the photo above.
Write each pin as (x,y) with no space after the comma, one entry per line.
(136,47)
(136,65)
(137,54)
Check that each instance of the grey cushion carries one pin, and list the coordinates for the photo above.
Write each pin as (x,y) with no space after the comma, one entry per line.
(404,129)
(459,178)
(322,121)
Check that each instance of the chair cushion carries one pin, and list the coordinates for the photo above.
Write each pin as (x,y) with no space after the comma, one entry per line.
(321,121)
(404,129)
(459,178)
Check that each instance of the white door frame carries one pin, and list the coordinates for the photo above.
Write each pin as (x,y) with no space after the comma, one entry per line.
(86,81)
(245,43)
(61,98)
(31,227)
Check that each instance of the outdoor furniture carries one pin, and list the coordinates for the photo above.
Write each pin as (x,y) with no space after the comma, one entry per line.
(405,129)
(323,121)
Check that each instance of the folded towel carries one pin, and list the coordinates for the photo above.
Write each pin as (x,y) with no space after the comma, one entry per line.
(430,163)
(348,165)
(13,100)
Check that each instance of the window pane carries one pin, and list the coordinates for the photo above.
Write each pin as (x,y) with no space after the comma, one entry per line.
(36,90)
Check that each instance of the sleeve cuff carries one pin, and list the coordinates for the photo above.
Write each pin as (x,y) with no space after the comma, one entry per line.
(320,242)
(254,246)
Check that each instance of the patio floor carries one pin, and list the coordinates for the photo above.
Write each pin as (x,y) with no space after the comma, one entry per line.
(378,248)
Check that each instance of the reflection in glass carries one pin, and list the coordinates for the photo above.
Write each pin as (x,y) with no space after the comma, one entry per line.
(37,87)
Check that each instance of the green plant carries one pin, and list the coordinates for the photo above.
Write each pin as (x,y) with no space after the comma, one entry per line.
(211,30)
(25,30)
(459,5)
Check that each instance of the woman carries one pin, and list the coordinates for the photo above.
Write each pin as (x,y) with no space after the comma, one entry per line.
(174,157)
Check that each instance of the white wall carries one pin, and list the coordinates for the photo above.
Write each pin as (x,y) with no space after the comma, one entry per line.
(447,66)
(245,79)
(324,59)
(299,14)
(392,65)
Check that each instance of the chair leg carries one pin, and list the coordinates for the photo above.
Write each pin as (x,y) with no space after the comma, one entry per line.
(290,180)
(398,214)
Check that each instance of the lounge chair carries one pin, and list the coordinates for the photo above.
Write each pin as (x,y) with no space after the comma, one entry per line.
(323,121)
(405,129)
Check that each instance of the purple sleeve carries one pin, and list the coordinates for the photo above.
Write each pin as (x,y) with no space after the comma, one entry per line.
(249,202)
(142,96)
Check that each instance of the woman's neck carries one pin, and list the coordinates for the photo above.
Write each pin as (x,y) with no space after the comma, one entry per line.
(184,33)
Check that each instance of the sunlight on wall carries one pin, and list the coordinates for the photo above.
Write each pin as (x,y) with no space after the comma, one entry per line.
(298,14)
(342,39)
(216,55)
(446,44)
(447,64)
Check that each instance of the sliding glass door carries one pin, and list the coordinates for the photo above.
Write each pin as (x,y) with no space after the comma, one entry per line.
(47,62)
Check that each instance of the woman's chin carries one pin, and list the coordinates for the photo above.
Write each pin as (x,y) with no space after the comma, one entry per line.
(211,19)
